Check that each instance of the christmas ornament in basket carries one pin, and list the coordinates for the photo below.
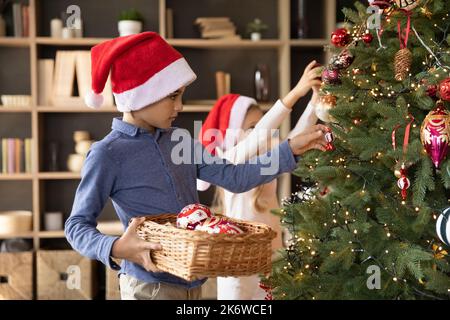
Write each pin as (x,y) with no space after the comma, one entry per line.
(196,254)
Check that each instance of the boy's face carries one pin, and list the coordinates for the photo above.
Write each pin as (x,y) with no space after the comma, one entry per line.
(162,113)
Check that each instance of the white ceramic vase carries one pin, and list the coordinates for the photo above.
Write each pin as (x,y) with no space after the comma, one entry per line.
(127,27)
(255,36)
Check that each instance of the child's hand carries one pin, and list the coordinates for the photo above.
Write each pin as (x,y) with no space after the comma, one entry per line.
(310,79)
(312,138)
(132,248)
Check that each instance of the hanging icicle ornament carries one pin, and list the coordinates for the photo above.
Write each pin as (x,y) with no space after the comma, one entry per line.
(435,134)
(403,181)
(403,57)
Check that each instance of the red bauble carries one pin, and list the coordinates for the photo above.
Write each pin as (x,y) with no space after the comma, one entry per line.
(444,89)
(432,90)
(331,76)
(193,215)
(367,38)
(340,37)
(435,134)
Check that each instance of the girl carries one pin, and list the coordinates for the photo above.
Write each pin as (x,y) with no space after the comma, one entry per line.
(238,146)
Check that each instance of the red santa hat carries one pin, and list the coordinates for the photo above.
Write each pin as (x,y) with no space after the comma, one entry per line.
(225,118)
(144,69)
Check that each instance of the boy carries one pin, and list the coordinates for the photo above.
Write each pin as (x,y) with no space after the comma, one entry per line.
(132,165)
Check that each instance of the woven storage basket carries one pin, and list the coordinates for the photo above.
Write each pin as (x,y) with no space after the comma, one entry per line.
(192,255)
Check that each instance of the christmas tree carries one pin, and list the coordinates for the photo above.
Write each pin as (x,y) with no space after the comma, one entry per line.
(372,224)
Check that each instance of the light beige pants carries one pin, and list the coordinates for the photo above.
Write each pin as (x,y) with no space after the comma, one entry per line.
(134,289)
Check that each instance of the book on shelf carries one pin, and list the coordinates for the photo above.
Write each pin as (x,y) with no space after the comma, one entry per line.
(20,20)
(45,81)
(15,155)
(223,83)
(71,65)
(64,74)
(216,28)
(203,20)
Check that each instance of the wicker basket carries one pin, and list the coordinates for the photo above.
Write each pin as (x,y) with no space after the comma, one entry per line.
(192,255)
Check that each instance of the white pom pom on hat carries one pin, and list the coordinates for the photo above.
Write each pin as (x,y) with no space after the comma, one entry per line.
(93,100)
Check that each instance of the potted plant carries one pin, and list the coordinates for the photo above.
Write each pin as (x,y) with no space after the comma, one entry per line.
(130,22)
(3,5)
(256,28)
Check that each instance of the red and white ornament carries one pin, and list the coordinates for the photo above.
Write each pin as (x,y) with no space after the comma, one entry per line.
(329,137)
(218,225)
(193,215)
(403,182)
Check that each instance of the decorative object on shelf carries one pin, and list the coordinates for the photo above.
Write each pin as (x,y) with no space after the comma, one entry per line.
(323,108)
(217,28)
(223,83)
(443,227)
(78,28)
(255,28)
(301,23)
(435,133)
(83,142)
(82,147)
(53,221)
(56,28)
(75,162)
(16,100)
(130,22)
(13,222)
(262,85)
(67,33)
(53,156)
(81,135)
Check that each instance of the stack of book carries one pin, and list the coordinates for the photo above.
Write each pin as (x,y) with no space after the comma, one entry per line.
(20,20)
(57,79)
(217,28)
(15,155)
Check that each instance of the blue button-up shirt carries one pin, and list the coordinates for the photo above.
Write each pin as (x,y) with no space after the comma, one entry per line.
(135,169)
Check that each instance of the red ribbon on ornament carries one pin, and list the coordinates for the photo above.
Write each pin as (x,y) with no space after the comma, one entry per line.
(403,36)
(403,182)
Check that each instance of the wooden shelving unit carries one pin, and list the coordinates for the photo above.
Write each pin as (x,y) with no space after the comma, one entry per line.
(282,46)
